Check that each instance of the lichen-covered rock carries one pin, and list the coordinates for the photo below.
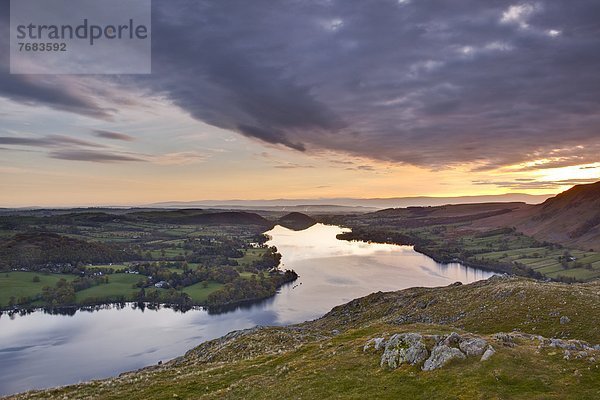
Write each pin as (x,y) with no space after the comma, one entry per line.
(505,339)
(375,344)
(404,348)
(473,346)
(452,339)
(441,355)
(489,352)
(564,344)
(564,320)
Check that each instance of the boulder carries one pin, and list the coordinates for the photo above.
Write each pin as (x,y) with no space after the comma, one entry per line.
(505,338)
(404,348)
(489,352)
(473,346)
(375,343)
(452,339)
(564,320)
(441,355)
(563,344)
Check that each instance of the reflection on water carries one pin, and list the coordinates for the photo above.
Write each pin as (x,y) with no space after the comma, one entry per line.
(40,350)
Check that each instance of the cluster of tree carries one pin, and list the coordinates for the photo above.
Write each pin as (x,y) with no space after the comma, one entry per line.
(270,259)
(63,293)
(210,245)
(50,251)
(85,282)
(170,296)
(187,277)
(211,260)
(250,289)
(381,236)
(21,300)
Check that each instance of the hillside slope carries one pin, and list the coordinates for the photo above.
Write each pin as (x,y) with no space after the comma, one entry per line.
(201,217)
(38,249)
(296,221)
(333,357)
(572,218)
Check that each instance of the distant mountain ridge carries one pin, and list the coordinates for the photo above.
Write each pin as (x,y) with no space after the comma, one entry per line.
(333,203)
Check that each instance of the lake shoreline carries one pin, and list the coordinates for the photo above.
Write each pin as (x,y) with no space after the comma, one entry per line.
(116,338)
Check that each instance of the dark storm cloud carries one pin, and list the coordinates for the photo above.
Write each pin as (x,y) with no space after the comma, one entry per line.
(428,82)
(39,89)
(113,135)
(431,83)
(92,156)
(28,89)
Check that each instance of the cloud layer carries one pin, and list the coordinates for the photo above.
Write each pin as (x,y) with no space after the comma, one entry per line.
(113,135)
(430,82)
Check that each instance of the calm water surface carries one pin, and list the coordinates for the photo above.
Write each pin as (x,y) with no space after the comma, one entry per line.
(41,350)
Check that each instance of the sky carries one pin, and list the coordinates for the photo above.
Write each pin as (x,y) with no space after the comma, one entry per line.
(271,99)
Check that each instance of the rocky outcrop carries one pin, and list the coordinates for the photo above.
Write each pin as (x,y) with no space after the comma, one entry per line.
(490,351)
(412,349)
(452,339)
(375,344)
(405,348)
(435,351)
(473,346)
(442,355)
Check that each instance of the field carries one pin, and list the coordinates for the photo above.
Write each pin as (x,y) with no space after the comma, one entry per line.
(199,293)
(118,286)
(20,284)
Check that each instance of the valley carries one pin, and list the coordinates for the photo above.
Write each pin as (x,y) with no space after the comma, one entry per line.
(537,315)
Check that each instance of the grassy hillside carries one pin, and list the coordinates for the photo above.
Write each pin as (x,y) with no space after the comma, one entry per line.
(326,358)
(572,218)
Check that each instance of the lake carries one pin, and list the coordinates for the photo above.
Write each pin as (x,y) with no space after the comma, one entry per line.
(41,350)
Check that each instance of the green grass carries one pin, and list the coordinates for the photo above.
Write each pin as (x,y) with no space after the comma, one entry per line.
(546,261)
(250,256)
(118,285)
(19,284)
(199,293)
(580,274)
